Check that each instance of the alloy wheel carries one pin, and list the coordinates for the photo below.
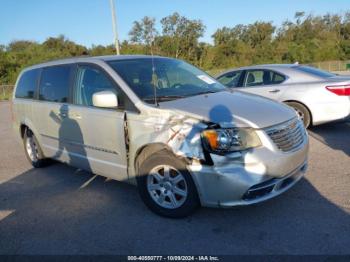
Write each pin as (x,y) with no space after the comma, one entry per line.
(167,186)
(32,148)
(300,113)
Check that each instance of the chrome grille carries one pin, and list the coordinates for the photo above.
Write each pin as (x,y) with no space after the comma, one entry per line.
(288,136)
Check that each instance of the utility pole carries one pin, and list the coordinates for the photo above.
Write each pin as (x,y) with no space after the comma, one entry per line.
(114,23)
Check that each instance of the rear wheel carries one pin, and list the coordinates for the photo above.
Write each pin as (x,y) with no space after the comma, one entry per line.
(32,150)
(302,111)
(166,186)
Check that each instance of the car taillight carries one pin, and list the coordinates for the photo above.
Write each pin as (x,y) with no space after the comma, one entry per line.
(343,90)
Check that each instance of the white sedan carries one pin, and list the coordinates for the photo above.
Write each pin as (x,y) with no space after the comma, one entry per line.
(318,96)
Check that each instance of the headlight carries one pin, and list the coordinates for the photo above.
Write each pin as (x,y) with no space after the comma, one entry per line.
(223,141)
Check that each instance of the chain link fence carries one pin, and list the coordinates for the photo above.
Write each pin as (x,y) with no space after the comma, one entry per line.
(6,92)
(333,66)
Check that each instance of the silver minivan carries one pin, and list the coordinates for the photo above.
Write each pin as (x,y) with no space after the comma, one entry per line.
(179,135)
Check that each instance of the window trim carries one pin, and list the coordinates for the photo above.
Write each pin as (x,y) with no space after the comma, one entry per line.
(262,69)
(38,84)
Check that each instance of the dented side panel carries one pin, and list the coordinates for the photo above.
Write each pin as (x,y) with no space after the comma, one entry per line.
(179,133)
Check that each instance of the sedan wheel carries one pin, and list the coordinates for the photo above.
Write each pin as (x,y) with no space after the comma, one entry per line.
(302,111)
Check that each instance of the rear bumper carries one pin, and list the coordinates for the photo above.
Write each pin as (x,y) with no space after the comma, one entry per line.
(330,112)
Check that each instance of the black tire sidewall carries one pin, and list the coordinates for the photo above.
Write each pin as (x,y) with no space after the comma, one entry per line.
(166,158)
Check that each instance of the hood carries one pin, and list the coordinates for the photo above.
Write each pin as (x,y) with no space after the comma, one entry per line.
(232,109)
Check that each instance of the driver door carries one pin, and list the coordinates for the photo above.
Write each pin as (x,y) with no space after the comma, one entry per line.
(96,135)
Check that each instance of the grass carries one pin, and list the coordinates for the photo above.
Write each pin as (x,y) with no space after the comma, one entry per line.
(5,97)
(5,93)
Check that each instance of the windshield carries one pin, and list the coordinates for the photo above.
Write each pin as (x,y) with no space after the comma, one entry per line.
(314,71)
(169,78)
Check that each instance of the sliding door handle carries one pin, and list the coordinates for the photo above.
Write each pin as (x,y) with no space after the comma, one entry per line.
(76,116)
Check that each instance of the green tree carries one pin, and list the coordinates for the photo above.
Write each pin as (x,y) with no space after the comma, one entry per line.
(144,32)
(180,37)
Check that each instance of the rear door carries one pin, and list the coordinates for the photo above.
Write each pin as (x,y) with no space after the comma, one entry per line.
(51,109)
(263,82)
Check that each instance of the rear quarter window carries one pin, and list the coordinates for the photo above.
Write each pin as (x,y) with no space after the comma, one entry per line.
(26,87)
(277,78)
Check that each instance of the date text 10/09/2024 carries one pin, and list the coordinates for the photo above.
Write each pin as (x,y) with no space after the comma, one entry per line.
(173,258)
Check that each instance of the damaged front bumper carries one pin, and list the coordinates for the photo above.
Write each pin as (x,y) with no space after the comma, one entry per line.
(250,177)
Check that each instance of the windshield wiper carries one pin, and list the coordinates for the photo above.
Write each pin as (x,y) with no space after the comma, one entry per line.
(169,97)
(207,92)
(163,98)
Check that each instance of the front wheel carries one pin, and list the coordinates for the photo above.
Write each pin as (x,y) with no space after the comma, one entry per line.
(166,186)
(302,111)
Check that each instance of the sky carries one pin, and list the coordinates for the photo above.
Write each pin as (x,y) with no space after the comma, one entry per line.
(89,22)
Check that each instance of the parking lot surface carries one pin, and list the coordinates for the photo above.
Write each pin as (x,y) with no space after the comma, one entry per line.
(55,211)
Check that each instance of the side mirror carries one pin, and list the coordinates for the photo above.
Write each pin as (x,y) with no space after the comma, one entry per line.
(105,99)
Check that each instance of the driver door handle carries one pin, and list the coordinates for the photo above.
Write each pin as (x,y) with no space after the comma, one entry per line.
(274,91)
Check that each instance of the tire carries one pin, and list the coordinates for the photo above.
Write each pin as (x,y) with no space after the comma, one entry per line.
(32,150)
(173,196)
(302,111)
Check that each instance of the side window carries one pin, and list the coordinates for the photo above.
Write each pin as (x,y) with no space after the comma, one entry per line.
(277,78)
(231,79)
(88,81)
(254,78)
(54,83)
(26,87)
(263,77)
